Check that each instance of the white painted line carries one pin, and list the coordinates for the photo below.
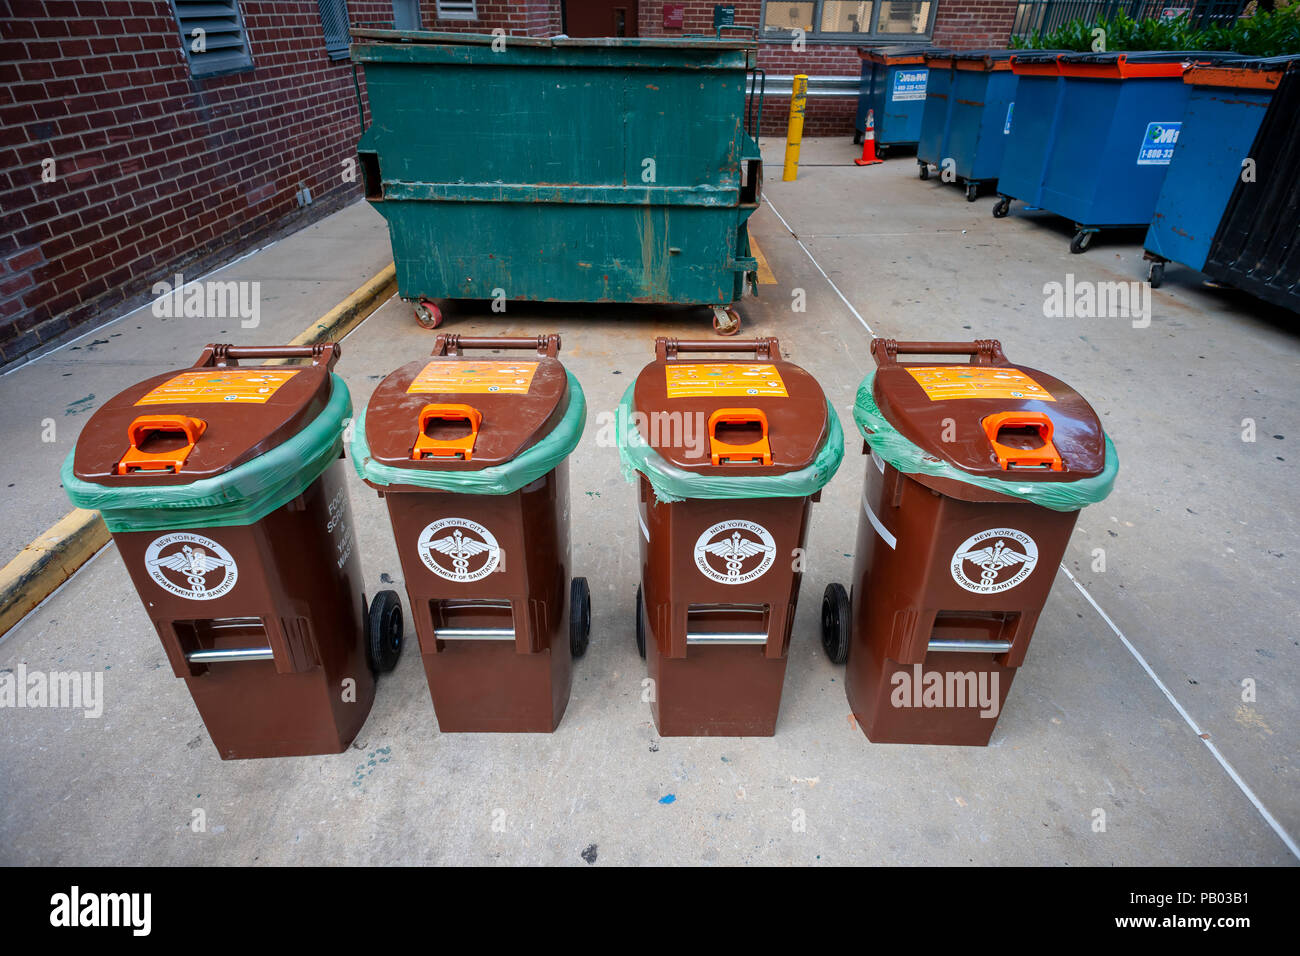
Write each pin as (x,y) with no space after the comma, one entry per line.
(1236,778)
(641,521)
(855,312)
(876,460)
(881,530)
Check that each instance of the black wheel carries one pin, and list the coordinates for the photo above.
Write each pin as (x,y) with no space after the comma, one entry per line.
(880,150)
(1081,241)
(857,137)
(640,624)
(837,623)
(579,616)
(972,190)
(1156,274)
(1002,207)
(925,170)
(384,632)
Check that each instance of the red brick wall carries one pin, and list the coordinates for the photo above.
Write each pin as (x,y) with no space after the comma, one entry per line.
(537,18)
(958,24)
(156,172)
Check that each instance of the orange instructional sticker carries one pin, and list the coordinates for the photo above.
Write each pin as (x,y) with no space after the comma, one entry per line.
(707,381)
(247,386)
(942,382)
(506,378)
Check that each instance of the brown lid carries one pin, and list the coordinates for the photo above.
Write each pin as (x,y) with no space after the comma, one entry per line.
(181,426)
(753,415)
(454,413)
(987,416)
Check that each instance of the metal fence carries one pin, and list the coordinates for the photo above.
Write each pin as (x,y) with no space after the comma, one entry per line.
(1042,16)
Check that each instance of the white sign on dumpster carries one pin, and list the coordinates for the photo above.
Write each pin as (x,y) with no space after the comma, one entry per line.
(1158,144)
(910,85)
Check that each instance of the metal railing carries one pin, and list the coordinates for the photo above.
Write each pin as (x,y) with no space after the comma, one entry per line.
(1043,16)
(818,86)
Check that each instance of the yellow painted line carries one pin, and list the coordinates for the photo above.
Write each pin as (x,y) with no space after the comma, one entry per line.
(348,314)
(57,554)
(47,562)
(765,276)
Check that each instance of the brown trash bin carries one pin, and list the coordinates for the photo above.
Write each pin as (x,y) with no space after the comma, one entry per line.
(225,492)
(720,566)
(470,456)
(949,577)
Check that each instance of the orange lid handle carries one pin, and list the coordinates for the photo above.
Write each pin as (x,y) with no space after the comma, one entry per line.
(725,453)
(1045,455)
(139,431)
(459,448)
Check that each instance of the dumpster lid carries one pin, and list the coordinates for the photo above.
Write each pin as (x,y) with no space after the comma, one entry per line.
(898,54)
(747,414)
(203,421)
(1263,73)
(987,416)
(1036,62)
(451,412)
(416,37)
(1137,64)
(986,60)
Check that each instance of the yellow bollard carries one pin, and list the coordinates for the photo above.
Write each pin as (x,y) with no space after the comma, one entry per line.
(794,133)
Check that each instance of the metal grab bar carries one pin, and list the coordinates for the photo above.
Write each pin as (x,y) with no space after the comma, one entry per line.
(220,655)
(709,637)
(474,633)
(972,647)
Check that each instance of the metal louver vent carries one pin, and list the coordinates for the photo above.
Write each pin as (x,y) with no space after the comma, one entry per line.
(212,35)
(334,19)
(457,10)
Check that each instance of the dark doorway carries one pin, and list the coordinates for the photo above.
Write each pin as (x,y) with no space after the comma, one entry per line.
(600,18)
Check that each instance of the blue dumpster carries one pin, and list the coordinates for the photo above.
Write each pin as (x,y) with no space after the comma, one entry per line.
(1102,149)
(1226,107)
(1033,124)
(968,106)
(893,85)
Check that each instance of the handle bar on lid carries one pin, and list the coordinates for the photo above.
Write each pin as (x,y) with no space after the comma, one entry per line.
(452,344)
(985,351)
(229,356)
(670,348)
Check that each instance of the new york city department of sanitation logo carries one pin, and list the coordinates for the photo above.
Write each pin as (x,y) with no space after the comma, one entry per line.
(459,549)
(995,560)
(191,566)
(735,552)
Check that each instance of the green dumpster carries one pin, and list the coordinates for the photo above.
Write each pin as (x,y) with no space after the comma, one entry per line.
(564,170)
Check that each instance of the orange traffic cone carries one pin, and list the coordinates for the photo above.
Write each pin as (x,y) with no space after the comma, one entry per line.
(869,143)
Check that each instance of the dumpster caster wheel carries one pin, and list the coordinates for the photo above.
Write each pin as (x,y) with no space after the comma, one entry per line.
(1081,241)
(640,624)
(428,314)
(579,616)
(726,321)
(837,623)
(972,191)
(925,170)
(1002,207)
(384,632)
(1156,274)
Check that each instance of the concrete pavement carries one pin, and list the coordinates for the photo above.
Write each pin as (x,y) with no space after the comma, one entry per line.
(1199,538)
